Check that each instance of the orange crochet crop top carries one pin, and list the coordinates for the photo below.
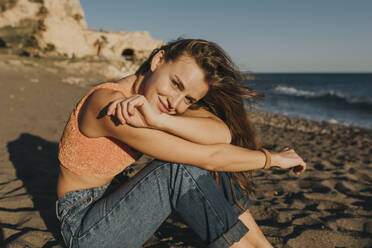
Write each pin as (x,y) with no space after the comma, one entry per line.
(100,157)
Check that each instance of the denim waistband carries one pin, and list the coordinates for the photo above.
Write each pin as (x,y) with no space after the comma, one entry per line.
(73,198)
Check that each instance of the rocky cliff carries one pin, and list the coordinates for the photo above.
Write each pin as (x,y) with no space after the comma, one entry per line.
(58,27)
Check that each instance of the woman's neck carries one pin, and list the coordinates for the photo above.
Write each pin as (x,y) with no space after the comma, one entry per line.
(132,83)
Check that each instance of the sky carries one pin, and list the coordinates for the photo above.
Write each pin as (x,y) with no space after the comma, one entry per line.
(260,36)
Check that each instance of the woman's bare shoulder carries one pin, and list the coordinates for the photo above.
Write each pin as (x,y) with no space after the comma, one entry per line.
(94,110)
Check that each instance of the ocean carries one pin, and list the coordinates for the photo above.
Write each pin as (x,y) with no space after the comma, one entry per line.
(342,98)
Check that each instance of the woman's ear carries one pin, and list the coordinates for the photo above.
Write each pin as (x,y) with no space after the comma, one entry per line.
(157,60)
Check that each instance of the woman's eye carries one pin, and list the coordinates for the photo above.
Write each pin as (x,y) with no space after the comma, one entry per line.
(188,100)
(175,84)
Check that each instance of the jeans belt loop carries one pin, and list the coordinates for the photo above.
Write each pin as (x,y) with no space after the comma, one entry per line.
(57,210)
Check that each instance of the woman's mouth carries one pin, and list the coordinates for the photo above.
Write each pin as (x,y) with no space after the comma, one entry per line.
(163,106)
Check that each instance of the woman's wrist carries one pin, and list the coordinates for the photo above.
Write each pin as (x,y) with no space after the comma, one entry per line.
(161,122)
(275,159)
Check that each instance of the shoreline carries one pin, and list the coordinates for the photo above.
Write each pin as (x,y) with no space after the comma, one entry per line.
(316,122)
(306,125)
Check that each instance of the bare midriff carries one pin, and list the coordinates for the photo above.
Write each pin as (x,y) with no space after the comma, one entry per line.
(69,181)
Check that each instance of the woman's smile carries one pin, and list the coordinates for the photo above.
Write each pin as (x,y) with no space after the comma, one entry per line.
(163,106)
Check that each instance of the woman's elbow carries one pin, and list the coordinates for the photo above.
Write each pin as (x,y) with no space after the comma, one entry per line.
(228,137)
(222,134)
(226,133)
(225,136)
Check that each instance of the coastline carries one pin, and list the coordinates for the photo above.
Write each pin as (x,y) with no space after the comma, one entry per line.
(329,205)
(337,98)
(305,125)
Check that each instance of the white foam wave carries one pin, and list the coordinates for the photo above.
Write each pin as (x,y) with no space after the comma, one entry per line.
(293,91)
(285,90)
(329,95)
(333,121)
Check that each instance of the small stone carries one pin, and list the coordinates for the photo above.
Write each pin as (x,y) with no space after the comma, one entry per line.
(166,239)
(323,131)
(39,148)
(11,96)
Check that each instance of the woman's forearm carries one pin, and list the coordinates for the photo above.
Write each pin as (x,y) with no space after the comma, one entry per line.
(234,158)
(201,130)
(167,147)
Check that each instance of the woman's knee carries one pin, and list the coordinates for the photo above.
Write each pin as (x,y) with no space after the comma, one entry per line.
(237,198)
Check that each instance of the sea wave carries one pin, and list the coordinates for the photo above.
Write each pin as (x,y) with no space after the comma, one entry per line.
(330,95)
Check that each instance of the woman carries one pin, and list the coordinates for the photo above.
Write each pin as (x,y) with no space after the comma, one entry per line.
(184,105)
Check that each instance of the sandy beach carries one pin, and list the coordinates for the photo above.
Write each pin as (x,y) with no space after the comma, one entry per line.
(330,205)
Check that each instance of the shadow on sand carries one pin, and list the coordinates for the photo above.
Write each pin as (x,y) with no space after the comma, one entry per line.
(36,164)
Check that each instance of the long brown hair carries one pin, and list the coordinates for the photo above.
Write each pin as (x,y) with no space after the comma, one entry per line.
(225,95)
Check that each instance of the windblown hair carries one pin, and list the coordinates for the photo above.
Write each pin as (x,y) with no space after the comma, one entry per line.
(225,95)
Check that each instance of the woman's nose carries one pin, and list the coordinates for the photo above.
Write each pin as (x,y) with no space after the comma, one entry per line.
(175,101)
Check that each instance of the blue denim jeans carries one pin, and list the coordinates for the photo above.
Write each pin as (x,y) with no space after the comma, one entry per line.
(128,215)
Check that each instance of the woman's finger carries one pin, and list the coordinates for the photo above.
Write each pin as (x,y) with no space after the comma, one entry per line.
(119,115)
(112,107)
(299,168)
(146,109)
(125,113)
(130,107)
(136,102)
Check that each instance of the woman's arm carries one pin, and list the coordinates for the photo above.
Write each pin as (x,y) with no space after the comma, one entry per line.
(93,122)
(198,126)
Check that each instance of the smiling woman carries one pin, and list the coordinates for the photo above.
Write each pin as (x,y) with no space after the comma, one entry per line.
(183,107)
(174,85)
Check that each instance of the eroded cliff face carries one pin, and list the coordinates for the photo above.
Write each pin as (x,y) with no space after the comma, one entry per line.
(65,28)
(50,27)
(12,13)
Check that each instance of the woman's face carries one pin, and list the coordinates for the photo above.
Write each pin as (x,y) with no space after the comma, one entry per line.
(173,86)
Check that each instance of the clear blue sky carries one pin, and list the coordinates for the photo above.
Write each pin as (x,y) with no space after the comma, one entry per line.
(261,36)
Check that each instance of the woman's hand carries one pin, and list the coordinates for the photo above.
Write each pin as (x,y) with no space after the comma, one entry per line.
(134,111)
(289,159)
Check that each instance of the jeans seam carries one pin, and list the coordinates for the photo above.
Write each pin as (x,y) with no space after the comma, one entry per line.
(84,204)
(118,203)
(228,241)
(202,193)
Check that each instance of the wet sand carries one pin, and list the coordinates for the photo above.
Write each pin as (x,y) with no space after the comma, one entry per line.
(330,205)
